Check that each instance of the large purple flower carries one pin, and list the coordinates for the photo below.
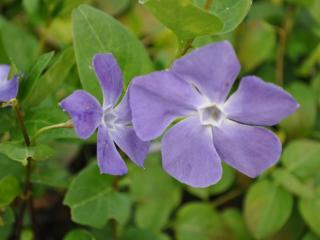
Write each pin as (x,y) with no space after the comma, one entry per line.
(8,88)
(113,123)
(213,128)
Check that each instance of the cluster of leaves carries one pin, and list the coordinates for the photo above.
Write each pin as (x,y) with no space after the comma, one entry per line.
(51,44)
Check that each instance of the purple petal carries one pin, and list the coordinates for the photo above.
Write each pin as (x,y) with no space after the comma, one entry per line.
(157,99)
(85,111)
(212,68)
(109,76)
(4,72)
(188,154)
(250,150)
(128,141)
(123,110)
(109,160)
(259,103)
(9,89)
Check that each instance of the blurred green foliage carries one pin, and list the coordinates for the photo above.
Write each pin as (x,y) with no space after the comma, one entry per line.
(51,43)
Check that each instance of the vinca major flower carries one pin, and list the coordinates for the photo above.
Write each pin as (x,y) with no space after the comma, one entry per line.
(213,127)
(113,122)
(8,88)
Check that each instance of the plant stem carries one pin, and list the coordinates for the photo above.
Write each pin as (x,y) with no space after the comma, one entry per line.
(27,200)
(283,32)
(185,45)
(227,197)
(67,124)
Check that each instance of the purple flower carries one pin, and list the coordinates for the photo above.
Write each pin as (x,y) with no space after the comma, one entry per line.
(113,123)
(212,128)
(8,88)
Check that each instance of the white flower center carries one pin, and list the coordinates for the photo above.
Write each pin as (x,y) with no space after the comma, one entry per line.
(211,115)
(110,119)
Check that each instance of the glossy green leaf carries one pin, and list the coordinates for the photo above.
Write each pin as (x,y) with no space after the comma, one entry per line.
(33,74)
(20,46)
(255,43)
(310,236)
(235,221)
(302,157)
(292,184)
(142,234)
(301,123)
(9,167)
(96,32)
(184,18)
(309,209)
(93,201)
(230,12)
(52,79)
(6,222)
(224,184)
(200,221)
(19,152)
(314,9)
(157,198)
(9,190)
(79,234)
(267,208)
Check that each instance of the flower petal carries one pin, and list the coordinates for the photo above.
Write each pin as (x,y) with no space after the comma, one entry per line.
(157,99)
(109,160)
(4,72)
(109,76)
(212,68)
(259,103)
(250,150)
(188,154)
(9,89)
(85,111)
(128,141)
(123,110)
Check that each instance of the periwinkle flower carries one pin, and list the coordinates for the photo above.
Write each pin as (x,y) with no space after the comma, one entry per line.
(113,122)
(213,127)
(8,88)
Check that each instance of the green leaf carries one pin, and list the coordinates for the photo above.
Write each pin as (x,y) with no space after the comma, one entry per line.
(79,234)
(96,32)
(93,201)
(224,184)
(255,43)
(309,209)
(200,221)
(292,184)
(234,220)
(142,234)
(9,167)
(301,123)
(315,9)
(230,12)
(33,74)
(267,208)
(20,46)
(157,198)
(302,157)
(52,79)
(6,222)
(9,190)
(310,236)
(19,152)
(185,19)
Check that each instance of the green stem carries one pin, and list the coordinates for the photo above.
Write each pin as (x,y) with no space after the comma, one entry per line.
(27,200)
(227,197)
(67,124)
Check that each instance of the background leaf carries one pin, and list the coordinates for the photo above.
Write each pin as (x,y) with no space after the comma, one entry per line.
(96,32)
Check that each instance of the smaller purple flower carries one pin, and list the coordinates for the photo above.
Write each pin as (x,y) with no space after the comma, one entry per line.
(213,128)
(113,122)
(8,88)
